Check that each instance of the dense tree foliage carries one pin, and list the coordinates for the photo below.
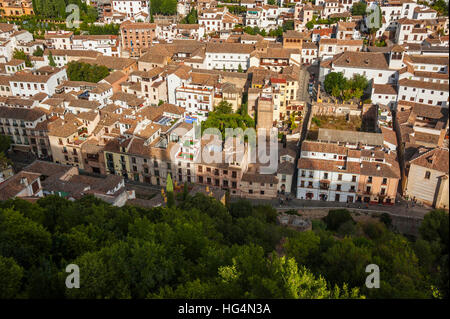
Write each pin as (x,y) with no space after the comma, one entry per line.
(359,9)
(91,28)
(5,143)
(19,54)
(201,249)
(338,86)
(191,18)
(57,9)
(223,117)
(79,71)
(316,20)
(441,7)
(336,218)
(165,7)
(38,52)
(341,258)
(432,249)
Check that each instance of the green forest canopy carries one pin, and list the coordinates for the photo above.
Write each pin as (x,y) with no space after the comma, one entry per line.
(203,249)
(57,9)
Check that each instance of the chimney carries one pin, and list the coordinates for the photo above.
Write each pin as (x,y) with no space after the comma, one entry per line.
(378,167)
(24,181)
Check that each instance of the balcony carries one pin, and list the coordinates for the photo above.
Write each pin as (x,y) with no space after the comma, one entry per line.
(324,184)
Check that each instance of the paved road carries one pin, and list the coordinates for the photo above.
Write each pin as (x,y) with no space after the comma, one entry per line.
(399,209)
(302,92)
(403,208)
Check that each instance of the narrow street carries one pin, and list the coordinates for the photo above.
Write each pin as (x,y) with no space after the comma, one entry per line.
(400,209)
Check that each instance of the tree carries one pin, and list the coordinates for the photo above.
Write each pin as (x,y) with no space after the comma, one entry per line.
(201,249)
(185,191)
(337,217)
(169,189)
(435,231)
(10,278)
(5,143)
(191,18)
(51,61)
(288,25)
(359,9)
(38,52)
(240,68)
(80,71)
(4,161)
(21,238)
(22,56)
(344,262)
(441,7)
(334,80)
(310,25)
(224,107)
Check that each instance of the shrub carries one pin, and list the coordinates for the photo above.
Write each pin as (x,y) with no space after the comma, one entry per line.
(337,217)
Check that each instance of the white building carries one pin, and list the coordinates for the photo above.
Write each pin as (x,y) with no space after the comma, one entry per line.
(108,45)
(228,56)
(376,66)
(131,8)
(196,95)
(217,19)
(423,92)
(44,80)
(410,31)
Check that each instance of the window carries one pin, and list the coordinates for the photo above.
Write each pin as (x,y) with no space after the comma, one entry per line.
(427,175)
